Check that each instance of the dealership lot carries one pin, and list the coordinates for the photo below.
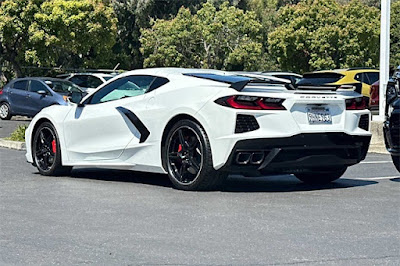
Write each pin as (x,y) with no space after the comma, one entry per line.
(120,218)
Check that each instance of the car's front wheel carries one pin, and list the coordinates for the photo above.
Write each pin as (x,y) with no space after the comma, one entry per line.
(46,151)
(5,111)
(322,176)
(188,160)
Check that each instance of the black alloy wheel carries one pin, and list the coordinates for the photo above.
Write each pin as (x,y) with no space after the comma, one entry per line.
(188,160)
(185,155)
(5,112)
(46,151)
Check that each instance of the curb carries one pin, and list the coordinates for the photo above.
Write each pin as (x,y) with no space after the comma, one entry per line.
(377,144)
(15,145)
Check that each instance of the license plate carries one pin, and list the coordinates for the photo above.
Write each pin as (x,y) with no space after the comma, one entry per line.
(319,115)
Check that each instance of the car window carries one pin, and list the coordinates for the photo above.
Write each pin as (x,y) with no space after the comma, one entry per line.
(373,77)
(93,82)
(319,78)
(121,88)
(62,86)
(36,86)
(20,85)
(80,80)
(107,78)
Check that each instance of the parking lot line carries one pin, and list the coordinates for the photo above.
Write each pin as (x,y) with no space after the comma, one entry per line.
(366,162)
(375,178)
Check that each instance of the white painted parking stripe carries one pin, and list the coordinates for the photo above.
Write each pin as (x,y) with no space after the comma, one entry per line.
(375,178)
(375,162)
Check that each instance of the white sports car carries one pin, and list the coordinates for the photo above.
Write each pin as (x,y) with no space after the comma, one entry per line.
(199,125)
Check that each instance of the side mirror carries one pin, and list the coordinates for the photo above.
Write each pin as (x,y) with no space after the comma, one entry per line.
(76,97)
(392,91)
(42,92)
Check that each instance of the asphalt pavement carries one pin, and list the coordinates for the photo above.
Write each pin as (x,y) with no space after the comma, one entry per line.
(109,217)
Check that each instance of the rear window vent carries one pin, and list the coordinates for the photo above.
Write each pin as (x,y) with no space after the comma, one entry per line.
(246,123)
(364,122)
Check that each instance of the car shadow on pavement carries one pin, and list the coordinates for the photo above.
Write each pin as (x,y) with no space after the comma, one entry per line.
(281,183)
(285,183)
(122,176)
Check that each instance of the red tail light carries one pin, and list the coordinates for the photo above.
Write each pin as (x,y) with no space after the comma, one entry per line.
(1,91)
(252,102)
(359,103)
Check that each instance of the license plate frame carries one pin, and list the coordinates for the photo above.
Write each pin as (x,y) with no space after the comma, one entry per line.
(319,115)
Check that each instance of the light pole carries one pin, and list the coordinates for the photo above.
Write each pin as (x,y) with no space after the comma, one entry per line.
(384,56)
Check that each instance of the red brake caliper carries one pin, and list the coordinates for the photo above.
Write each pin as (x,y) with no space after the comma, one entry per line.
(53,146)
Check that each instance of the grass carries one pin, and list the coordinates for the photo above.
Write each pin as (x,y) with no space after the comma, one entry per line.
(18,134)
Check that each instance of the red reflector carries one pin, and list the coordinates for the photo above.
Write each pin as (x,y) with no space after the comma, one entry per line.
(54,146)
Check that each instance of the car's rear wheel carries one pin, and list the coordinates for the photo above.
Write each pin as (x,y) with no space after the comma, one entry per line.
(5,111)
(46,151)
(188,160)
(396,162)
(322,176)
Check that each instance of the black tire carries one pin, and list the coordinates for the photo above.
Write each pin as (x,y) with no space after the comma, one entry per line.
(46,151)
(396,162)
(320,176)
(5,111)
(187,158)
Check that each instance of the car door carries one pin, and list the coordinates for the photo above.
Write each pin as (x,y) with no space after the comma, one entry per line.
(35,101)
(18,96)
(106,124)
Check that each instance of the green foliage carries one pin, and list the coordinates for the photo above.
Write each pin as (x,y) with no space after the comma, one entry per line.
(395,34)
(321,34)
(136,14)
(18,134)
(224,38)
(71,33)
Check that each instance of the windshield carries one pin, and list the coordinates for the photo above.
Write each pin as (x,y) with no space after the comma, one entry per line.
(62,86)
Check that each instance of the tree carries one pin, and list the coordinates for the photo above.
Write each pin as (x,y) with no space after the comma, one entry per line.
(57,32)
(224,38)
(395,34)
(321,34)
(136,14)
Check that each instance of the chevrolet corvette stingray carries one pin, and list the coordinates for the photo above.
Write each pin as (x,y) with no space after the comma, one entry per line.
(198,126)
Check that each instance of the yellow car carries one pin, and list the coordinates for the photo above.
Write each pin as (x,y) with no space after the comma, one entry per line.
(342,77)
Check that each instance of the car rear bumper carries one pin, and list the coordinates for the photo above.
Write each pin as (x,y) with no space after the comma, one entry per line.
(299,153)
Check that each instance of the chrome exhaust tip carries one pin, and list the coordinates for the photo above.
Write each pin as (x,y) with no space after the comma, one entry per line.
(243,157)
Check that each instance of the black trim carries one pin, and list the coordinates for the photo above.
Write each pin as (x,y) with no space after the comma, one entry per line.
(303,152)
(239,85)
(144,132)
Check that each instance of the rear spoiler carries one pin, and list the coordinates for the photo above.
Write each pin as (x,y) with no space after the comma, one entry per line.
(239,86)
(357,87)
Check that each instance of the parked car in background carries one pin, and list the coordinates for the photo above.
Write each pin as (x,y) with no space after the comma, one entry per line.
(348,76)
(374,98)
(87,81)
(293,77)
(27,96)
(391,125)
